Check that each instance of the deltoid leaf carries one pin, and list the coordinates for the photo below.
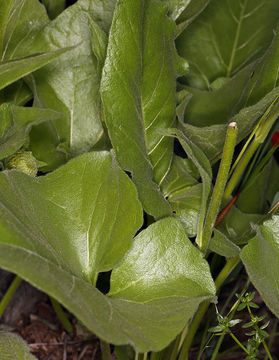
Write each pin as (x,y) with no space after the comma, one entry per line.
(162,263)
(57,229)
(261,260)
(12,347)
(74,216)
(232,34)
(201,162)
(71,84)
(15,125)
(183,192)
(138,93)
(13,70)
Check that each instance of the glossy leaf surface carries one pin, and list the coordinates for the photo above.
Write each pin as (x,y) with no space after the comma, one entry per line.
(13,70)
(71,227)
(74,215)
(71,84)
(138,92)
(170,255)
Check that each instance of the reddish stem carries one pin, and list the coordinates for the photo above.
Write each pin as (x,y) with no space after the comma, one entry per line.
(223,213)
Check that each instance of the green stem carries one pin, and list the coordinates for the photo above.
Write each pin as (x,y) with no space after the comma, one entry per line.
(105,349)
(229,315)
(9,293)
(220,184)
(237,174)
(261,165)
(155,355)
(272,336)
(225,272)
(239,343)
(61,315)
(267,350)
(257,329)
(259,134)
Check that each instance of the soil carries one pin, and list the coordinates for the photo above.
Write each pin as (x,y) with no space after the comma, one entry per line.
(30,315)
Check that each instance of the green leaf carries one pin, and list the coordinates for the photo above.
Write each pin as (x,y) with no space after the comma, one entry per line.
(20,21)
(17,93)
(46,146)
(210,139)
(257,196)
(221,245)
(160,268)
(185,10)
(237,226)
(231,34)
(265,76)
(186,207)
(15,125)
(204,168)
(182,190)
(13,70)
(261,260)
(101,11)
(54,7)
(71,84)
(138,92)
(12,347)
(190,12)
(124,352)
(183,175)
(218,106)
(47,244)
(92,231)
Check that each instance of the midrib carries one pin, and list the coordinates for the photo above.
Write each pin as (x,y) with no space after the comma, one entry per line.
(236,38)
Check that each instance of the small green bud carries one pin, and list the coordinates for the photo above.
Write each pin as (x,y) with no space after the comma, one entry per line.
(23,161)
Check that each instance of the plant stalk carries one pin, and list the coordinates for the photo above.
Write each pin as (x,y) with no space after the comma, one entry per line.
(220,184)
(61,315)
(259,134)
(239,343)
(105,349)
(9,294)
(225,272)
(237,174)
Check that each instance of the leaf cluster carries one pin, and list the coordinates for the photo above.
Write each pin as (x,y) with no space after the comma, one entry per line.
(97,94)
